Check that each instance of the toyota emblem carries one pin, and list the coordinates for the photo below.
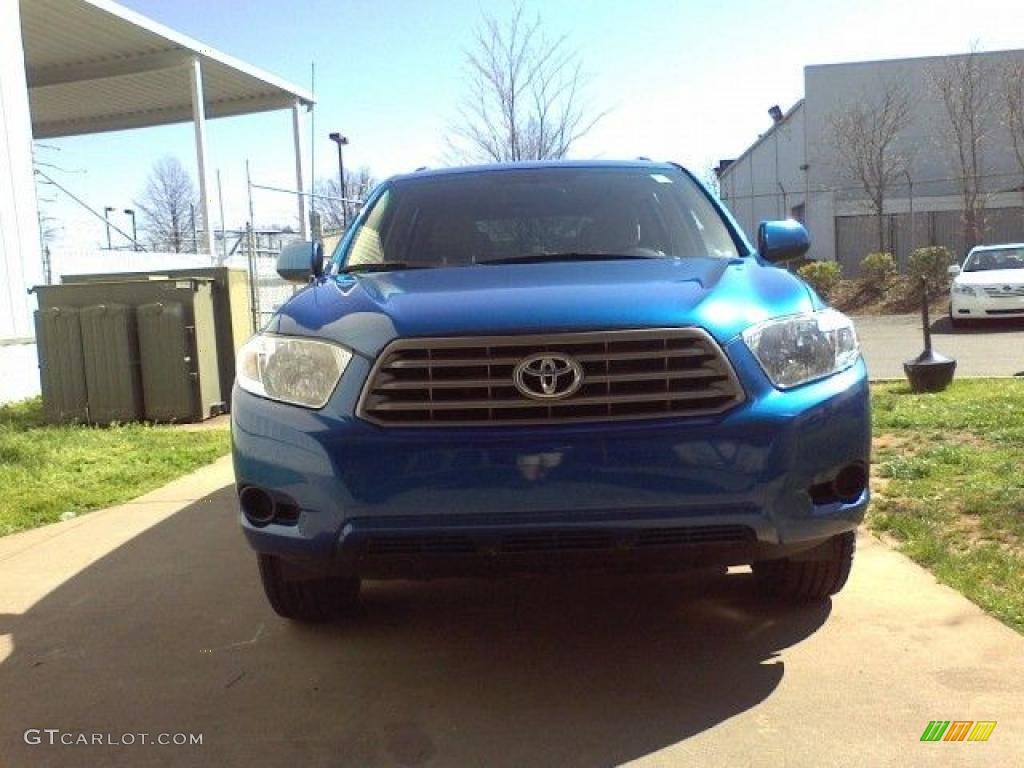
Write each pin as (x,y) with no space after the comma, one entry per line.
(548,376)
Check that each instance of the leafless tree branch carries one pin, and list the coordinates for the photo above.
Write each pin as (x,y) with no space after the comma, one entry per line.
(358,185)
(1013,109)
(523,98)
(865,137)
(167,205)
(964,86)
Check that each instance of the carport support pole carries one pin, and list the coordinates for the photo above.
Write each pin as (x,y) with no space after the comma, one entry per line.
(299,186)
(199,121)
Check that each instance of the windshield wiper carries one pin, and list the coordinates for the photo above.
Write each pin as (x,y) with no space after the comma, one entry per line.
(535,258)
(380,266)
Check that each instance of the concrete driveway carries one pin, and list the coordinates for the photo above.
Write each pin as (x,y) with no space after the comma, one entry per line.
(992,349)
(148,618)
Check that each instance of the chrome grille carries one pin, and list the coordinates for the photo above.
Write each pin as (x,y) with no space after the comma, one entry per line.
(642,374)
(1004,291)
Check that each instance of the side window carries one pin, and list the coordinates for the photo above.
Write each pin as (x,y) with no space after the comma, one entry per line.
(368,247)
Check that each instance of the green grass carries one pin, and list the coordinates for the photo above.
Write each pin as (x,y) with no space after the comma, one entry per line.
(48,472)
(950,486)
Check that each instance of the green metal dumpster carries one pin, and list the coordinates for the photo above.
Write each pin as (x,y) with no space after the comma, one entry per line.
(111,355)
(232,308)
(61,367)
(148,349)
(173,353)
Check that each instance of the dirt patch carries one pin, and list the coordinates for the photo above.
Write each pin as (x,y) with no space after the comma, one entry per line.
(898,296)
(879,484)
(969,532)
(887,442)
(217,422)
(911,444)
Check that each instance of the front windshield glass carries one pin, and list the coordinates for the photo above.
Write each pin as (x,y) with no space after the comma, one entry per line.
(538,215)
(1002,258)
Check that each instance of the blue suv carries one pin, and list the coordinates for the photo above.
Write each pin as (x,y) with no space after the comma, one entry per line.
(548,367)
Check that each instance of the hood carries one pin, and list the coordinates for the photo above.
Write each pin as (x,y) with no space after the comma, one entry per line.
(368,310)
(991,277)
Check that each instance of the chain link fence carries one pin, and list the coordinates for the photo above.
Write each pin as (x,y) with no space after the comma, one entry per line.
(257,253)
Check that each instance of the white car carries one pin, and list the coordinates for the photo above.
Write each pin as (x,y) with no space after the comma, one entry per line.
(989,285)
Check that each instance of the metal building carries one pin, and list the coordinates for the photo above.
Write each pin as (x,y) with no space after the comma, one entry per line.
(792,169)
(71,67)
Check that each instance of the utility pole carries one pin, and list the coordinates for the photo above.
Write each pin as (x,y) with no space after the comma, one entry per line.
(223,230)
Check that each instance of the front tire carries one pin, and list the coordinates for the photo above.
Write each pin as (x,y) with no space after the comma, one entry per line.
(810,580)
(307,600)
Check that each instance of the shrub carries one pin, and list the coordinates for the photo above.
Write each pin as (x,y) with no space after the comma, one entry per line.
(823,276)
(878,269)
(930,263)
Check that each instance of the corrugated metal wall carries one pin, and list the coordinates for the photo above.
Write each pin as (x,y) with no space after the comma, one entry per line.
(857,236)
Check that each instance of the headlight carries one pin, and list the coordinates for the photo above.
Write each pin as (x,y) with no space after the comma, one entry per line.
(293,370)
(801,348)
(964,290)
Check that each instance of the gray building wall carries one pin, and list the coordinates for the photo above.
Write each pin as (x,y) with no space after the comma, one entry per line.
(766,182)
(20,263)
(837,214)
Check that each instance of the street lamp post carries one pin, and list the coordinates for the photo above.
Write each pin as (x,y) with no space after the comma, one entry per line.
(135,233)
(106,217)
(341,141)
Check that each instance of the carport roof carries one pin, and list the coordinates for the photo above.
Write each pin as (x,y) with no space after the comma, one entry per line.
(94,66)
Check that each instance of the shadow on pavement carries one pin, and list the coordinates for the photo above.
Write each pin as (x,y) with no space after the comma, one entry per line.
(171,633)
(943,325)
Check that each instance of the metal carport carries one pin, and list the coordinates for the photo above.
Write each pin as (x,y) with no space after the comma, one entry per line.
(71,67)
(93,66)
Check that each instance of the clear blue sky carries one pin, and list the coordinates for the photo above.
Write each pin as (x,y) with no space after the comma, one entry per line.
(688,80)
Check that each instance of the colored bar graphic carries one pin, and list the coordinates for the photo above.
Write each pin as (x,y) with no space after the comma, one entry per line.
(958,730)
(935,730)
(982,730)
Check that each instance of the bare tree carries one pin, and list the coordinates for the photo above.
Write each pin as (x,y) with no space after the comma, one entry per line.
(523,98)
(865,137)
(358,185)
(712,181)
(965,87)
(168,205)
(1013,110)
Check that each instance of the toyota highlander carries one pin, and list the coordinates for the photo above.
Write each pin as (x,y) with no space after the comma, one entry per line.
(548,367)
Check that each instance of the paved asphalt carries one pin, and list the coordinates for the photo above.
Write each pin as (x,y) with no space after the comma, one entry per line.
(148,618)
(992,349)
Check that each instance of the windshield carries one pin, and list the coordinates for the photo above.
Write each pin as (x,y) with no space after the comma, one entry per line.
(538,215)
(1002,258)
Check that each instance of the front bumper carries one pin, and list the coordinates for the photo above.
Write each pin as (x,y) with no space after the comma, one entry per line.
(985,306)
(403,502)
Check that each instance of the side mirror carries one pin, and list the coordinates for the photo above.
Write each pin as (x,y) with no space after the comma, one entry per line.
(782,240)
(954,270)
(300,261)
